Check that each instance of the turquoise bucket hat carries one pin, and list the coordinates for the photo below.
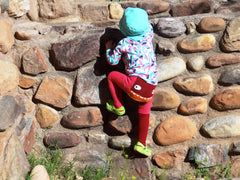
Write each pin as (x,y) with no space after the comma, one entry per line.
(134,23)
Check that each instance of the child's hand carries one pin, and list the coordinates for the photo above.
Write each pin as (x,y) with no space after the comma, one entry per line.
(110,44)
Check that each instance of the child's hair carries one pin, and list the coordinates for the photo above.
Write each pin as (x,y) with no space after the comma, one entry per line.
(134,23)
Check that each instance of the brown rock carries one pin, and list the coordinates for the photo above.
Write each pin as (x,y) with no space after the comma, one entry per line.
(153,7)
(9,77)
(174,130)
(170,159)
(221,59)
(46,116)
(193,106)
(195,85)
(33,62)
(7,37)
(229,7)
(235,168)
(227,99)
(230,41)
(55,91)
(121,124)
(85,117)
(116,10)
(72,54)
(211,24)
(192,7)
(27,81)
(33,11)
(53,9)
(61,139)
(29,139)
(199,43)
(39,172)
(97,11)
(165,99)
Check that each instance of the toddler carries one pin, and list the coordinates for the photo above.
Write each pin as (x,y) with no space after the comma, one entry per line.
(140,80)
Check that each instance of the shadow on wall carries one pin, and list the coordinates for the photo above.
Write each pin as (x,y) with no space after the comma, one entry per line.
(101,67)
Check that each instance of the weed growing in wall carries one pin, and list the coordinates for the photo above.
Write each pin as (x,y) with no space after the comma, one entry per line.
(57,168)
(53,161)
(206,172)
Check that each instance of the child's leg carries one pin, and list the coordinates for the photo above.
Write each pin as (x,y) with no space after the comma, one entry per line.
(143,121)
(118,81)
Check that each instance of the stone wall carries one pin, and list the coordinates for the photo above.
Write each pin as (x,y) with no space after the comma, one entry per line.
(53,85)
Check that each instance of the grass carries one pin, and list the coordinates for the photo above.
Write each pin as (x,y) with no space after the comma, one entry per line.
(206,172)
(58,168)
(53,161)
(93,173)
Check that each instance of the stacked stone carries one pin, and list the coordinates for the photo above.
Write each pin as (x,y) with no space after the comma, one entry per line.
(53,86)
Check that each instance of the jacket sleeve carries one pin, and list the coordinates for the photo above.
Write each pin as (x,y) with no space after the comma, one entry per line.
(150,34)
(114,55)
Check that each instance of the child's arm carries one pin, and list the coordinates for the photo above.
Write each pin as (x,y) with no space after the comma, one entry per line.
(113,54)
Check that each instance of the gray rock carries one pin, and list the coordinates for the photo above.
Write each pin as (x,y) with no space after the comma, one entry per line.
(195,63)
(163,46)
(230,76)
(120,142)
(94,154)
(208,155)
(9,112)
(170,68)
(4,5)
(223,127)
(90,89)
(170,27)
(95,136)
(138,167)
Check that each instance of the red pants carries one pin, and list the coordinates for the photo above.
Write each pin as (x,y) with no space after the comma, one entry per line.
(118,81)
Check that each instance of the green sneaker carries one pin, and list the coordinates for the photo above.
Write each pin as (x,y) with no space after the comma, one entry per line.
(139,147)
(110,107)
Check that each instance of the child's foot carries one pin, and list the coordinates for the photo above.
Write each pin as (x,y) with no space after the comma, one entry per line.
(139,147)
(110,107)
